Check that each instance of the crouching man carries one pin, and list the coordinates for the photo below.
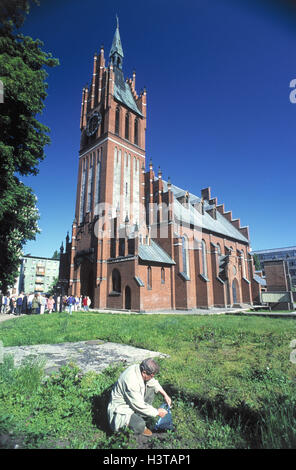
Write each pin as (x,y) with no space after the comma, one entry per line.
(132,396)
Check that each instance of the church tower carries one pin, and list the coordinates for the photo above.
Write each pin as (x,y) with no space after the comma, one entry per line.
(110,186)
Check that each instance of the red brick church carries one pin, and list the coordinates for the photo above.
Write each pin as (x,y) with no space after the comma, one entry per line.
(139,242)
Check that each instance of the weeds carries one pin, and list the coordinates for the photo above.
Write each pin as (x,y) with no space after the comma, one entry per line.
(230,379)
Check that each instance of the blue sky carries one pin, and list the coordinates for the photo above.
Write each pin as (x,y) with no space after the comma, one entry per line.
(217,76)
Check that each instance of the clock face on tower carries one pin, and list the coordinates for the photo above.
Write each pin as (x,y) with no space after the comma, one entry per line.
(93,123)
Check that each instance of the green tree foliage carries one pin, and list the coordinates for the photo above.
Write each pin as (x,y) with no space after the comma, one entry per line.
(54,287)
(257,263)
(23,137)
(56,255)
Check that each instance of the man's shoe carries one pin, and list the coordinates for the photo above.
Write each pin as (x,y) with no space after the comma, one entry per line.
(147,432)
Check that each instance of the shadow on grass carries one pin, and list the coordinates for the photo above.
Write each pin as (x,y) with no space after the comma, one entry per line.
(243,418)
(99,404)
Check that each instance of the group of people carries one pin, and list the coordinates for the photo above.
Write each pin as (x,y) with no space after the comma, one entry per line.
(40,303)
(76,303)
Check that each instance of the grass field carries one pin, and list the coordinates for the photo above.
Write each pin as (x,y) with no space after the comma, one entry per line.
(230,378)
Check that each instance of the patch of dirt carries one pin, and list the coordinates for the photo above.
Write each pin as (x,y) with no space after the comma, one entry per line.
(148,442)
(8,441)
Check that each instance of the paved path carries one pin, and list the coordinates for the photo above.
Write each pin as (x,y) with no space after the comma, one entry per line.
(195,311)
(5,316)
(287,314)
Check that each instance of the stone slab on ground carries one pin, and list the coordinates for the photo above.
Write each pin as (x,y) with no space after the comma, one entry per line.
(94,355)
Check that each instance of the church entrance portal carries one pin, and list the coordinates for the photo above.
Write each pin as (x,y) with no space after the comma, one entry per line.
(87,280)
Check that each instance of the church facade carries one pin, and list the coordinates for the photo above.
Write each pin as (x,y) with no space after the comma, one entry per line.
(139,242)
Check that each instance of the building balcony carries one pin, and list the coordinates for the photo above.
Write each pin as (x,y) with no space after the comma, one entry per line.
(39,288)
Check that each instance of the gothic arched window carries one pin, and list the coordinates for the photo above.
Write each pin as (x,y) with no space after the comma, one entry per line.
(98,174)
(162,275)
(116,281)
(204,258)
(242,258)
(121,246)
(136,131)
(185,258)
(149,278)
(126,135)
(83,190)
(117,117)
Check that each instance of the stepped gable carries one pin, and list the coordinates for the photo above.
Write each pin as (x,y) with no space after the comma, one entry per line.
(221,223)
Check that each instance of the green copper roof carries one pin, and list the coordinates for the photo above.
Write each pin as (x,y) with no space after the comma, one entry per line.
(122,91)
(154,253)
(116,44)
(259,279)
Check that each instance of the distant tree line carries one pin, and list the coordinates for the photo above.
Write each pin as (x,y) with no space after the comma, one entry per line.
(56,255)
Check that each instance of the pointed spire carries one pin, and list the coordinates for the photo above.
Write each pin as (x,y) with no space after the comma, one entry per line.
(116,52)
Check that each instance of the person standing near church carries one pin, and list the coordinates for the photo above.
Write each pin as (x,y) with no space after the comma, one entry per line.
(12,304)
(19,303)
(25,304)
(70,303)
(64,302)
(84,303)
(35,304)
(50,304)
(4,304)
(76,303)
(30,300)
(88,303)
(43,303)
(8,307)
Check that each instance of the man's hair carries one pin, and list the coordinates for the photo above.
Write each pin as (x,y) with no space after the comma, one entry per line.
(149,366)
